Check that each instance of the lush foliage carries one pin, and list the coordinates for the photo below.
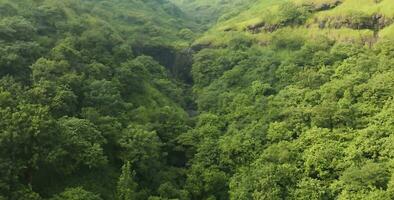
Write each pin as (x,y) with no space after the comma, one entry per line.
(117,100)
(286,122)
(87,87)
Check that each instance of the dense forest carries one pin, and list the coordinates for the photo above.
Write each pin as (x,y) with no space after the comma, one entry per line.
(196,99)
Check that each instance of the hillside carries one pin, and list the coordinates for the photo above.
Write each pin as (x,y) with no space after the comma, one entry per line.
(207,12)
(196,99)
(296,102)
(348,21)
(87,86)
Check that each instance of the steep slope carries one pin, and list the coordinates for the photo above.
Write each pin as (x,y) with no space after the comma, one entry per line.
(295,102)
(346,21)
(83,91)
(208,12)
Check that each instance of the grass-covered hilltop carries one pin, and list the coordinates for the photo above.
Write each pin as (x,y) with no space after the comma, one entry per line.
(350,21)
(196,100)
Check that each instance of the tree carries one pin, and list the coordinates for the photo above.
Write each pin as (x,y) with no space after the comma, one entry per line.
(59,98)
(263,181)
(77,193)
(44,69)
(105,97)
(142,149)
(364,181)
(127,187)
(78,143)
(311,189)
(18,48)
(25,137)
(16,28)
(291,14)
(132,75)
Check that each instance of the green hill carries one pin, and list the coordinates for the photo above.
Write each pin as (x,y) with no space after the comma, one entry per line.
(345,21)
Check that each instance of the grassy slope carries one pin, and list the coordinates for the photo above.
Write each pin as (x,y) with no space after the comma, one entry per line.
(208,12)
(267,11)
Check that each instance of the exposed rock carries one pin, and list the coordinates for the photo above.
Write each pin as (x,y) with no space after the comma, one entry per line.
(375,22)
(326,6)
(200,46)
(322,24)
(379,21)
(257,28)
(228,29)
(192,113)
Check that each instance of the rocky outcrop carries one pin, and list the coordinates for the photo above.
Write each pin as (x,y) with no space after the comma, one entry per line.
(379,21)
(357,21)
(326,6)
(200,46)
(228,29)
(262,27)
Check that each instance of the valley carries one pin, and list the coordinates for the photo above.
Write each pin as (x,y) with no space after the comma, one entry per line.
(196,99)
